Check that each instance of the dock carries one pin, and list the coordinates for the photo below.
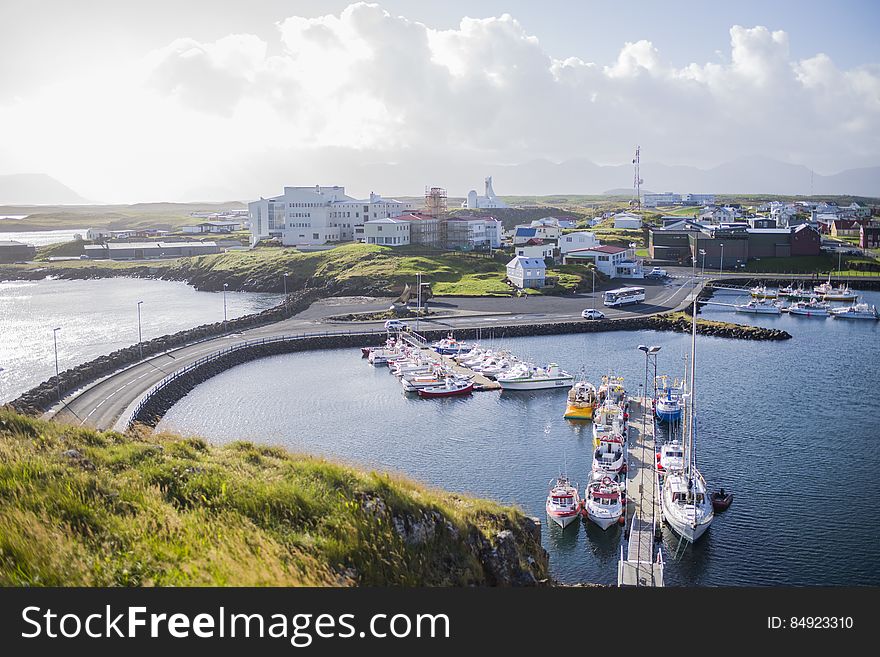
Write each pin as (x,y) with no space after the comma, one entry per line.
(481,383)
(641,563)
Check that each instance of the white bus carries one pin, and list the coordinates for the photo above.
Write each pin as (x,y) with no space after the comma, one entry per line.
(623,296)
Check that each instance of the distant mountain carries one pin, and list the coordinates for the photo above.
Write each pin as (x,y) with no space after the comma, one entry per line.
(624,191)
(36,189)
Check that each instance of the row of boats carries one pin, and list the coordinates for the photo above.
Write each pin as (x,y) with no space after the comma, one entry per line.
(815,302)
(686,503)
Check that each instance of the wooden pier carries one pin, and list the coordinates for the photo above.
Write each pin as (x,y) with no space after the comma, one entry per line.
(640,563)
(481,383)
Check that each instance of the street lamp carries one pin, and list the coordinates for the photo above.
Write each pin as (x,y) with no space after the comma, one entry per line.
(721,270)
(225,285)
(649,351)
(285,283)
(419,307)
(703,266)
(593,272)
(57,381)
(140,335)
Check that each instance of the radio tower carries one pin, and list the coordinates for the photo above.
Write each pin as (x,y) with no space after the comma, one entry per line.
(637,181)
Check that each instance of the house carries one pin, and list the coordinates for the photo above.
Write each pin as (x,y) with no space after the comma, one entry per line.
(527,272)
(95,234)
(869,236)
(387,232)
(844,228)
(12,251)
(425,229)
(473,233)
(538,248)
(580,240)
(613,261)
(627,220)
(523,234)
(213,227)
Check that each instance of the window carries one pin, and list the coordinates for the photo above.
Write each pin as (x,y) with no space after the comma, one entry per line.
(315,236)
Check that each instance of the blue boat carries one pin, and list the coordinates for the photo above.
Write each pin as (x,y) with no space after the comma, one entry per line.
(668,405)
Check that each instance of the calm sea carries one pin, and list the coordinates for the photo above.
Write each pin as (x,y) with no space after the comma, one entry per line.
(791,428)
(97,317)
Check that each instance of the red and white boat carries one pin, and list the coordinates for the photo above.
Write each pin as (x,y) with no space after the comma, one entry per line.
(563,502)
(608,457)
(450,388)
(603,501)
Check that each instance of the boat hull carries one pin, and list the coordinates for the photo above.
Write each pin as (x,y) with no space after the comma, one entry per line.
(604,521)
(690,533)
(577,412)
(539,384)
(563,520)
(668,415)
(431,393)
(803,312)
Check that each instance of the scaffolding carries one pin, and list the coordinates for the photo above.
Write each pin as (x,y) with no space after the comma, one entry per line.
(435,201)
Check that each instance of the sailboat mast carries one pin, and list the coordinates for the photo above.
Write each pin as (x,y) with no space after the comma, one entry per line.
(693,414)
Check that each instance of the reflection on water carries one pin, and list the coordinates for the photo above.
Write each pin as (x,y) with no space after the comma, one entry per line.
(768,413)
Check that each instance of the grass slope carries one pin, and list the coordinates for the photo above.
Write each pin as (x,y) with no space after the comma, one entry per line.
(80,507)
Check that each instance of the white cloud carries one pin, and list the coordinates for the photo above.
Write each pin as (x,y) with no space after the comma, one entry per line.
(372,86)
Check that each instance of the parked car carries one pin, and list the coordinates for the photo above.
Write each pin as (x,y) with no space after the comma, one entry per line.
(656,272)
(592,313)
(395,325)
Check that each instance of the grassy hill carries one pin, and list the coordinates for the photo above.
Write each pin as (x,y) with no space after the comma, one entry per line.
(86,508)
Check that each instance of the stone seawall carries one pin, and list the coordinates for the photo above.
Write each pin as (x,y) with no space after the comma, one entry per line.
(39,399)
(155,407)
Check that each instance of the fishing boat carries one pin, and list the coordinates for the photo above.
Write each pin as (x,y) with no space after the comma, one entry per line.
(612,388)
(762,292)
(667,406)
(670,458)
(762,307)
(685,500)
(840,293)
(416,382)
(379,357)
(603,501)
(796,293)
(582,400)
(811,308)
(449,346)
(608,457)
(563,502)
(450,388)
(609,420)
(525,376)
(856,311)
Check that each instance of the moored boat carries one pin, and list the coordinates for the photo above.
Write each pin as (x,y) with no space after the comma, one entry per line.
(525,376)
(563,502)
(449,346)
(603,501)
(721,500)
(668,404)
(840,293)
(582,400)
(608,457)
(811,308)
(856,311)
(762,292)
(450,388)
(762,307)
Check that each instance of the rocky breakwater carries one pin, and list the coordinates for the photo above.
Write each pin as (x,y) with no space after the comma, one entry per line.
(39,399)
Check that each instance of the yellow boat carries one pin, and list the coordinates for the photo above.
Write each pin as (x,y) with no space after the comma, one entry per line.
(581,401)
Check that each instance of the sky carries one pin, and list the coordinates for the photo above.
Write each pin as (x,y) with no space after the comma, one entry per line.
(214,100)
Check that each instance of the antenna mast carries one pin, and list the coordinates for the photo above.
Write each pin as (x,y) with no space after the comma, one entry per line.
(637,180)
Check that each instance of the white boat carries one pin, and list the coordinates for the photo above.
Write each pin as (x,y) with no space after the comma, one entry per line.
(449,346)
(603,501)
(797,293)
(608,457)
(686,504)
(609,420)
(810,309)
(856,311)
(830,293)
(379,357)
(420,381)
(761,292)
(563,502)
(612,388)
(526,376)
(670,458)
(450,388)
(762,307)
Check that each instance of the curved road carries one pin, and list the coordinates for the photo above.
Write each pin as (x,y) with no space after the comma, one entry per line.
(102,403)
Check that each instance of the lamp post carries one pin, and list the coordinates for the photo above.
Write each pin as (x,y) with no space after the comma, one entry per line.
(140,334)
(419,307)
(703,265)
(225,285)
(721,270)
(285,283)
(55,341)
(649,351)
(593,272)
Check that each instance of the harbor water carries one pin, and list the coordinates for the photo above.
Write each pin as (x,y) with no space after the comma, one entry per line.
(97,317)
(44,237)
(790,427)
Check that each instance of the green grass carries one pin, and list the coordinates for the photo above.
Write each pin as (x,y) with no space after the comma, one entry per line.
(139,509)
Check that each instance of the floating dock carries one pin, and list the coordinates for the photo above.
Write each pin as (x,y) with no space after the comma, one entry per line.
(641,563)
(481,383)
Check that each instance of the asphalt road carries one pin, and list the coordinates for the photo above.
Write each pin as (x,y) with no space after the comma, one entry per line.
(102,403)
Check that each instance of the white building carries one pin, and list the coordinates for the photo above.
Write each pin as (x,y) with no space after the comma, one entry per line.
(316,215)
(93,234)
(213,227)
(538,249)
(489,200)
(387,232)
(698,199)
(613,261)
(527,272)
(470,233)
(580,240)
(666,198)
(627,220)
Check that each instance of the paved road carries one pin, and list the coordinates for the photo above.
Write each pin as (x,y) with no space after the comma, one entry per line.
(102,403)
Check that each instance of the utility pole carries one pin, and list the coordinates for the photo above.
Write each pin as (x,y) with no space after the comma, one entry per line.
(140,334)
(419,308)
(721,271)
(703,266)
(285,283)
(57,381)
(225,285)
